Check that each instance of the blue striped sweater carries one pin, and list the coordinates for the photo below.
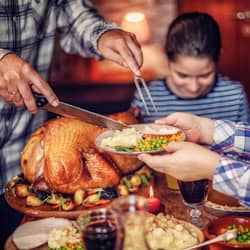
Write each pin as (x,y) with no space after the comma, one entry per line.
(227,100)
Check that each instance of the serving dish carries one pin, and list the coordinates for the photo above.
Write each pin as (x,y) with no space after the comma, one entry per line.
(152,130)
(10,245)
(220,225)
(224,210)
(138,182)
(220,204)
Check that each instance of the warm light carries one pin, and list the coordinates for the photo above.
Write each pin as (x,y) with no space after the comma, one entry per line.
(136,23)
(151,191)
(134,17)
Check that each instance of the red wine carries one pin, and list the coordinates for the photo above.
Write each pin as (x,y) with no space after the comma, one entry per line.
(193,192)
(100,235)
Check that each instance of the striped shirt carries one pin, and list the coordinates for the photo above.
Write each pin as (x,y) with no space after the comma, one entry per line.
(28,28)
(226,100)
(232,175)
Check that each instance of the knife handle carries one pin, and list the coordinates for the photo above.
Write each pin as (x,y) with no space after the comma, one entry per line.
(40,99)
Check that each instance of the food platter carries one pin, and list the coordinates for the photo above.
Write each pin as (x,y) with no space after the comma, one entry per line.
(42,211)
(46,209)
(152,130)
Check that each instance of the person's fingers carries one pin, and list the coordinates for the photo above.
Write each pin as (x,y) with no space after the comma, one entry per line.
(145,158)
(34,88)
(116,57)
(18,100)
(135,48)
(129,58)
(169,120)
(41,85)
(173,146)
(154,162)
(28,98)
(6,95)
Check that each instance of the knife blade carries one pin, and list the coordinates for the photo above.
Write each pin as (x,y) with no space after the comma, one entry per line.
(68,110)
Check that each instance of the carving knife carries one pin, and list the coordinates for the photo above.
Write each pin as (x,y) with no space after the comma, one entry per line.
(68,110)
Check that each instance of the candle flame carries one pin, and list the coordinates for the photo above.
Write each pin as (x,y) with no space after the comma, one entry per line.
(151,191)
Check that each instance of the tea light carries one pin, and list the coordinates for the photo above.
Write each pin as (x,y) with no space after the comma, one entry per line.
(153,202)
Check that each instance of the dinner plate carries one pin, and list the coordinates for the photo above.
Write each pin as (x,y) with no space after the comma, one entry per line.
(223,210)
(147,128)
(10,245)
(221,204)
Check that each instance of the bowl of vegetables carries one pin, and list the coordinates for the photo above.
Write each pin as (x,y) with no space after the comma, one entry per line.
(239,223)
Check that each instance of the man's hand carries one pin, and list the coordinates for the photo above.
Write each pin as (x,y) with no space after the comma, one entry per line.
(18,79)
(185,161)
(123,48)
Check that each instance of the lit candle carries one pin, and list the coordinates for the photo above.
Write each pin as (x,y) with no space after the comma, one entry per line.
(153,202)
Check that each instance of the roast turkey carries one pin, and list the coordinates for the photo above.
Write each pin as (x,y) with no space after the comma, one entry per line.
(62,156)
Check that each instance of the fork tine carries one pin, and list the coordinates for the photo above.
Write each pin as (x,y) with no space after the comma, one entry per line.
(147,91)
(141,95)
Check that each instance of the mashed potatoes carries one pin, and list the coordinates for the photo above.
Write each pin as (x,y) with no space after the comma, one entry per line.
(161,232)
(127,138)
(165,232)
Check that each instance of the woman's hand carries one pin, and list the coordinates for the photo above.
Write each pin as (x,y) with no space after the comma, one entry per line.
(18,79)
(123,48)
(197,129)
(185,161)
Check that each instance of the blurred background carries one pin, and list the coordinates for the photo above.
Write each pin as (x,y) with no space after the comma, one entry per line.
(104,87)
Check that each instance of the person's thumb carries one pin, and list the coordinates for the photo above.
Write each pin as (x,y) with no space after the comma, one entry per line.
(145,158)
(173,146)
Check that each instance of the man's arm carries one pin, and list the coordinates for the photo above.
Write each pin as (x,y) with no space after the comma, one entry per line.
(86,32)
(232,138)
(233,178)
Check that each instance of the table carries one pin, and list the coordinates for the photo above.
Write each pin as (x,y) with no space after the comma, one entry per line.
(171,201)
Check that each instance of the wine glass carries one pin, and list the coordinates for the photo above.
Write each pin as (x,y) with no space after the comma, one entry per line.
(101,229)
(132,209)
(194,194)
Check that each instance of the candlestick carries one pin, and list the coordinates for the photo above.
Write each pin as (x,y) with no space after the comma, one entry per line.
(154,203)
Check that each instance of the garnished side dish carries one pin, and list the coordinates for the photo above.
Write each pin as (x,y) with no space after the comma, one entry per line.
(243,233)
(69,238)
(132,140)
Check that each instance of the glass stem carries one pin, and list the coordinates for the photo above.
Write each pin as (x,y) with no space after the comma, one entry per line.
(195,213)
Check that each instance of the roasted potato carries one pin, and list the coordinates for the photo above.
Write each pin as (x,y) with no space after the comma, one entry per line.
(55,199)
(135,180)
(68,205)
(22,190)
(33,201)
(122,190)
(79,195)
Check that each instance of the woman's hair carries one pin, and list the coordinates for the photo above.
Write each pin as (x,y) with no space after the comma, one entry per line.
(193,34)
